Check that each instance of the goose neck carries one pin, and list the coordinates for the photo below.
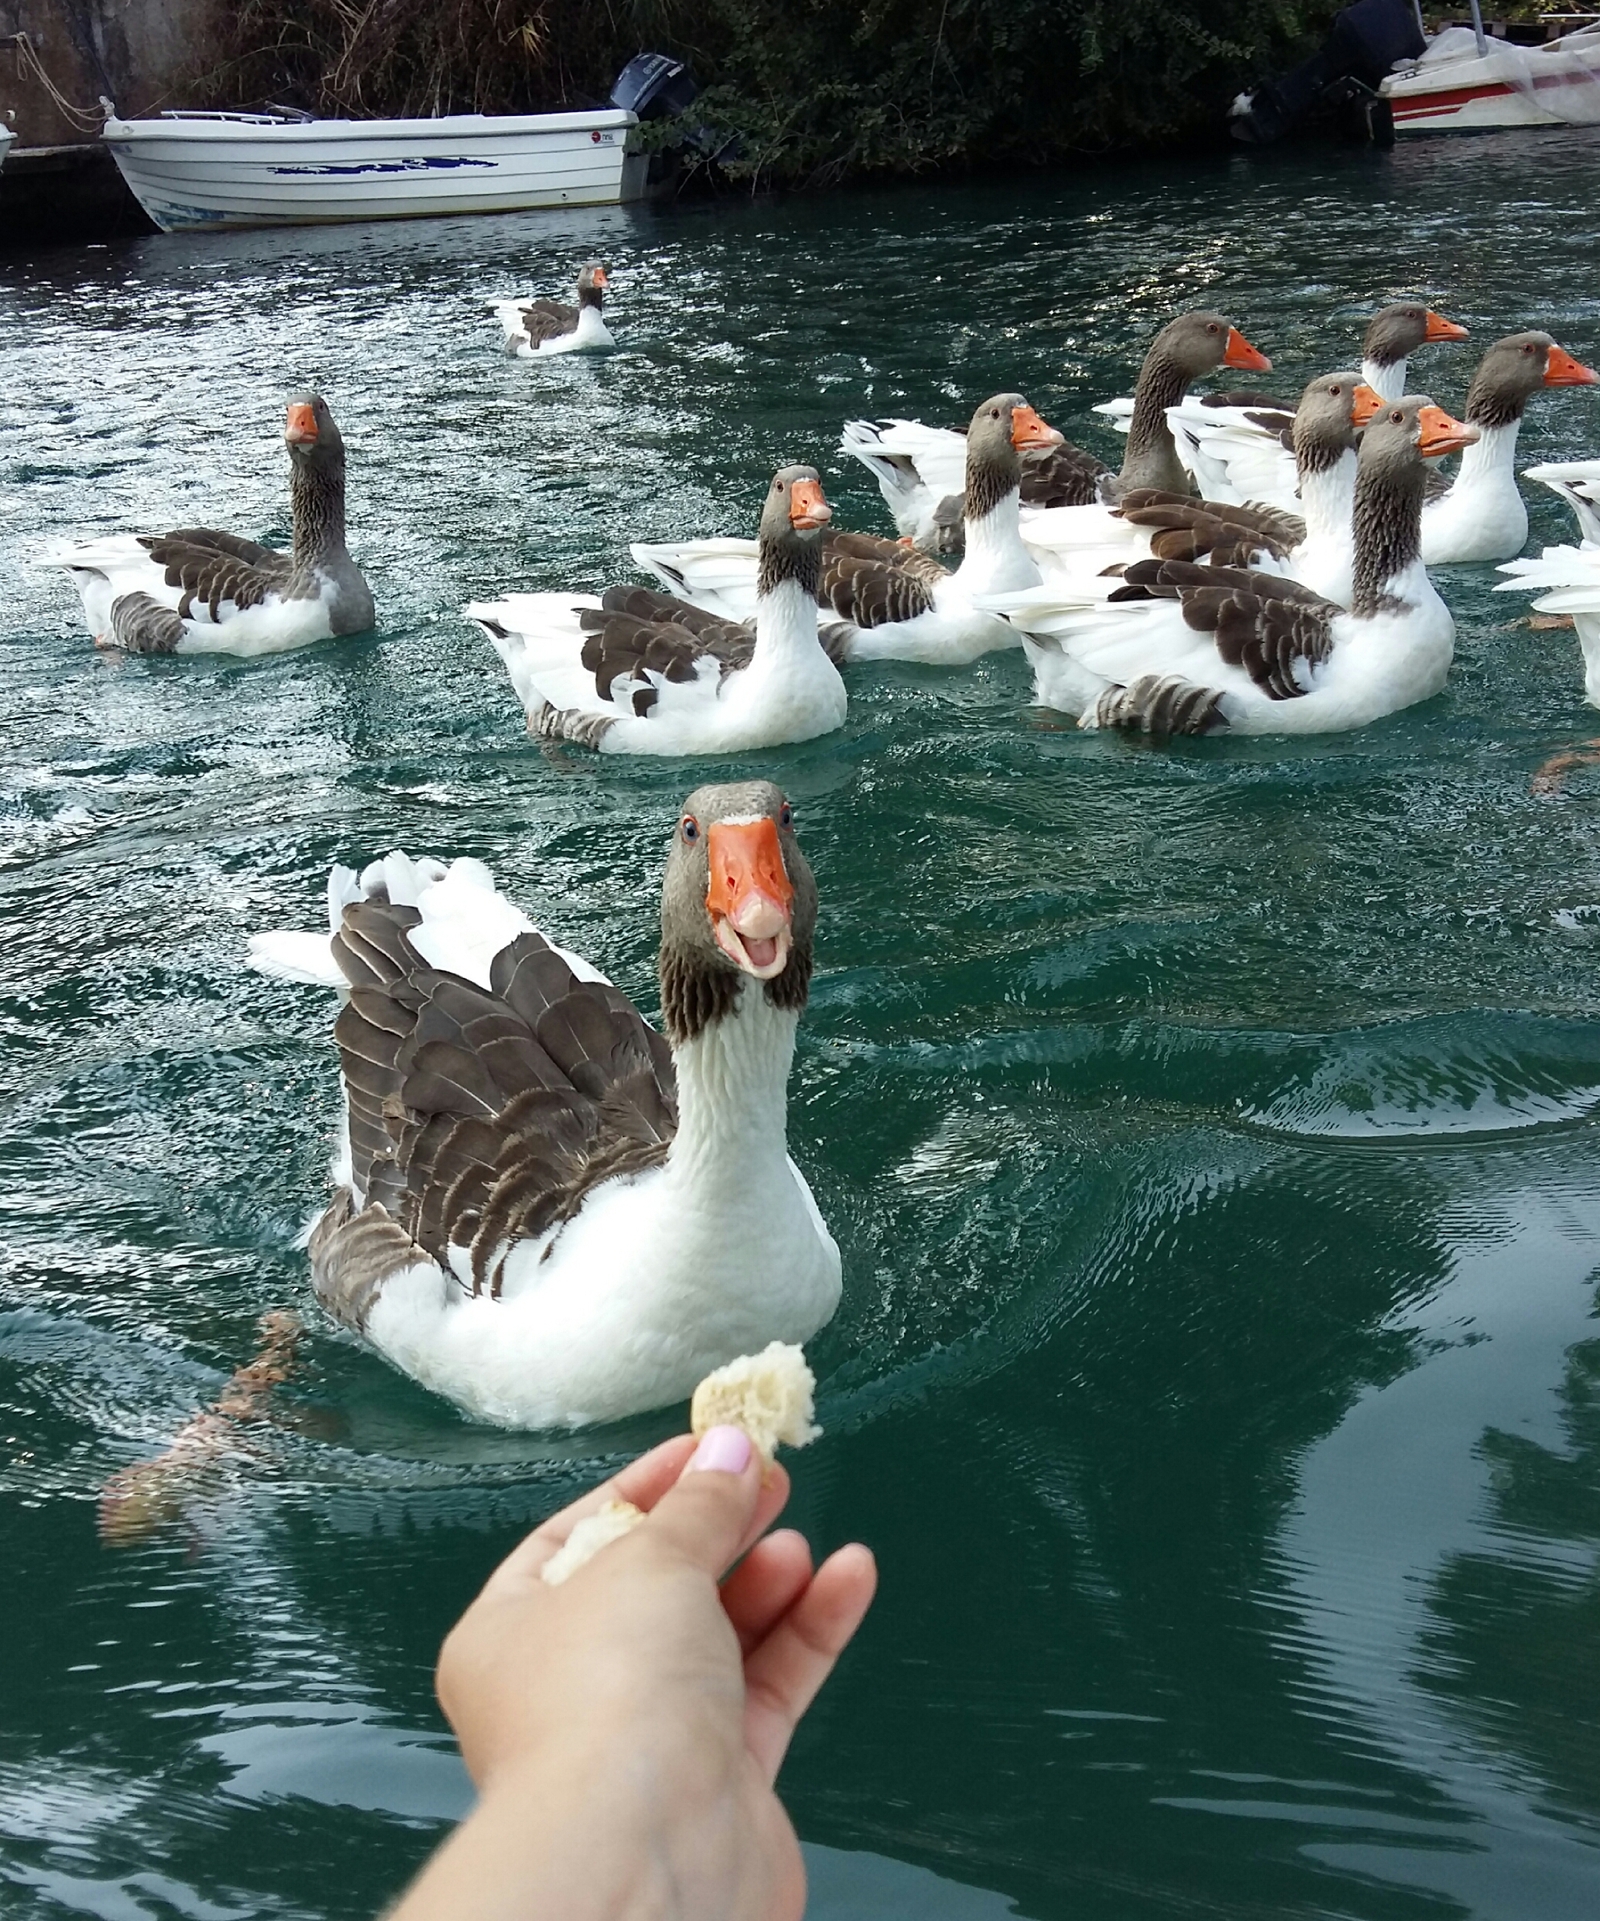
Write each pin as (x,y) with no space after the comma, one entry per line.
(1386,378)
(1388,538)
(994,549)
(1327,491)
(733,1089)
(1152,458)
(316,501)
(786,620)
(1494,452)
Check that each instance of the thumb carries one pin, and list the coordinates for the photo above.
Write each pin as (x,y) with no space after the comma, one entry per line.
(707,1518)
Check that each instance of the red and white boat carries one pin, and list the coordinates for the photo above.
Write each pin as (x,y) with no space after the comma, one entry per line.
(1468,82)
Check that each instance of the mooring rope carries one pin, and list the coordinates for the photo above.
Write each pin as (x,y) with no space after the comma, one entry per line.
(31,67)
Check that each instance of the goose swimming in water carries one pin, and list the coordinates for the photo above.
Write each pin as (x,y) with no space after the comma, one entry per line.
(545,326)
(545,1209)
(197,591)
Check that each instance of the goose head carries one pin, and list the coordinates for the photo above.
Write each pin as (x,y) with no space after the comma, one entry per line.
(1198,343)
(1002,430)
(1404,433)
(1330,411)
(1513,371)
(738,902)
(310,434)
(1394,333)
(592,284)
(794,518)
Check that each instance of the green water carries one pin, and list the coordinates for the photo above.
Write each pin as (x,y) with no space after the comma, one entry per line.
(1207,1131)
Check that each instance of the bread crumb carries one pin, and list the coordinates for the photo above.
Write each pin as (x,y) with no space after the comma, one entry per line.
(768,1394)
(592,1533)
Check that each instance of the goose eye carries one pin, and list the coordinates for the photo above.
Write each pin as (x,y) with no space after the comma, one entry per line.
(1212,327)
(1336,391)
(1397,417)
(689,827)
(786,816)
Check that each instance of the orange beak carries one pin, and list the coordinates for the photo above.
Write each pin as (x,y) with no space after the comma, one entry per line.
(1365,404)
(1443,434)
(300,427)
(600,279)
(751,897)
(1561,370)
(1439,328)
(1239,353)
(807,509)
(1028,430)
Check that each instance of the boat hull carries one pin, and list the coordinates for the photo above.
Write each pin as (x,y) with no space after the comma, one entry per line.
(1550,87)
(209,175)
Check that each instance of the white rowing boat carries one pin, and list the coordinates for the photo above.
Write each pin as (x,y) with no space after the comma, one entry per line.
(204,172)
(1468,84)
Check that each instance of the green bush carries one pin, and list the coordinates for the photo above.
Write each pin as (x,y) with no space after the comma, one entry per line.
(816,90)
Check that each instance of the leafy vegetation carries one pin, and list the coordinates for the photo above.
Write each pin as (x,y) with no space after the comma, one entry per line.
(814,90)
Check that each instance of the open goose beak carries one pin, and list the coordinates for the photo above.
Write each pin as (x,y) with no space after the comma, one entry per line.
(1365,404)
(751,898)
(1561,370)
(300,425)
(1442,434)
(1239,353)
(1028,430)
(1438,328)
(807,510)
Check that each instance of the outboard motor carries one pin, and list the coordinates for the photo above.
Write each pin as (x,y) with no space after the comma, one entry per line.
(1366,42)
(654,86)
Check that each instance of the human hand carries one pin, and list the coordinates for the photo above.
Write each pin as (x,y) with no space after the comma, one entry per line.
(653,1707)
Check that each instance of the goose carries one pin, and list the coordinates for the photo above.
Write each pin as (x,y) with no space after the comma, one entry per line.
(1392,335)
(892,602)
(196,591)
(1483,516)
(637,672)
(1193,649)
(544,1209)
(920,470)
(1314,547)
(552,327)
(1572,574)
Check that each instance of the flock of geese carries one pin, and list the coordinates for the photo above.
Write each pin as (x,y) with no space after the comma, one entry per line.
(552,1212)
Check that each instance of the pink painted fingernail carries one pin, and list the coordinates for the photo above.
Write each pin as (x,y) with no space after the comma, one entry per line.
(725,1450)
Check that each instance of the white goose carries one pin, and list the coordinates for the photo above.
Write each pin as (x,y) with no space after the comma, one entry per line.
(894,603)
(1193,649)
(921,470)
(197,591)
(637,672)
(535,327)
(1570,574)
(1315,546)
(543,1208)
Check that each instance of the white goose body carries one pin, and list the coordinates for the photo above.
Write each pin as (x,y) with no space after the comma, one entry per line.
(791,691)
(1569,577)
(636,672)
(705,1243)
(1236,649)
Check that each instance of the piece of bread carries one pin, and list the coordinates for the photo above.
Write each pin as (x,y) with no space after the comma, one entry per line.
(768,1394)
(592,1533)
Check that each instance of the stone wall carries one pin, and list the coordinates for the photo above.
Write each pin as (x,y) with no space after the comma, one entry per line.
(143,54)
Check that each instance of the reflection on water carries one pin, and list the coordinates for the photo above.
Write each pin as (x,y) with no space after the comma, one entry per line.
(1206,1131)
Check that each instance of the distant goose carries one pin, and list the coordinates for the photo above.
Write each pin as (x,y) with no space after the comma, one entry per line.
(892,602)
(1314,546)
(552,327)
(1572,574)
(197,591)
(543,1208)
(637,672)
(1393,335)
(920,470)
(1192,649)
